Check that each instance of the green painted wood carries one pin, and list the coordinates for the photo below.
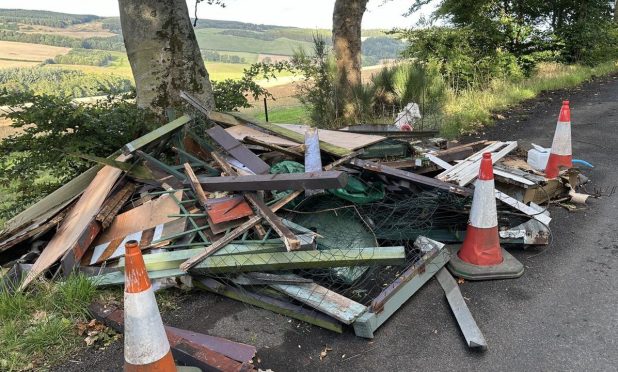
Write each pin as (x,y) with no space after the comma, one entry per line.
(170,260)
(276,305)
(301,260)
(320,298)
(366,325)
(155,134)
(291,135)
(117,277)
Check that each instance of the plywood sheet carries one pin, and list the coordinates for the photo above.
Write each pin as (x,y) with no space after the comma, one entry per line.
(77,220)
(350,141)
(150,214)
(241,131)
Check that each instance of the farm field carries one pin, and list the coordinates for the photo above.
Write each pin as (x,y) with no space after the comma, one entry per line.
(81,31)
(25,52)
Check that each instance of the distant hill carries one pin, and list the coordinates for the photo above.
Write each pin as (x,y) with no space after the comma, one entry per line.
(238,42)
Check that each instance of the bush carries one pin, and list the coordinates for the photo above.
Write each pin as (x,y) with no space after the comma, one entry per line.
(36,161)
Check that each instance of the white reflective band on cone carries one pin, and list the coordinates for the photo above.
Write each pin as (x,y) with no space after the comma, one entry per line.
(562,139)
(483,214)
(145,340)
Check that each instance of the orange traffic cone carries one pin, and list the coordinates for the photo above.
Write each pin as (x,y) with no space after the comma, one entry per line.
(561,153)
(146,347)
(481,256)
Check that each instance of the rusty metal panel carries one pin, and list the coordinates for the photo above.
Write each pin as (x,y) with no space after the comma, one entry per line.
(238,150)
(291,181)
(228,209)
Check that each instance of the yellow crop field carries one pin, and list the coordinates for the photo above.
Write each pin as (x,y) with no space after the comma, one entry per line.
(24,52)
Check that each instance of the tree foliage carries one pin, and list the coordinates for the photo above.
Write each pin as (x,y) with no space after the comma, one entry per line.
(36,161)
(61,82)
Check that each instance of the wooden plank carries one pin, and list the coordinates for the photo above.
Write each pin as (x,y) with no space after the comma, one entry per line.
(155,134)
(245,133)
(408,283)
(409,176)
(270,146)
(292,135)
(471,173)
(281,181)
(301,260)
(219,244)
(347,140)
(115,248)
(239,151)
(269,303)
(470,160)
(77,221)
(473,335)
(322,299)
(531,212)
(292,243)
(195,185)
(228,209)
(148,215)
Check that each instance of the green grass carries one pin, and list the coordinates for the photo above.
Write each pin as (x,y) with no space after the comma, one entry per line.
(472,109)
(210,38)
(286,115)
(38,327)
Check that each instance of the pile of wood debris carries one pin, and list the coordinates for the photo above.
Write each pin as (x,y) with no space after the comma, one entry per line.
(280,216)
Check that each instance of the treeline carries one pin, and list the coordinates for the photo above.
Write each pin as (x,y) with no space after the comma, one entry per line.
(112,25)
(478,41)
(249,34)
(44,18)
(9,26)
(212,23)
(213,56)
(72,83)
(114,43)
(375,49)
(88,57)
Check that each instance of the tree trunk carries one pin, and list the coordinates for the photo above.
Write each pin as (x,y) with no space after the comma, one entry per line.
(163,53)
(347,18)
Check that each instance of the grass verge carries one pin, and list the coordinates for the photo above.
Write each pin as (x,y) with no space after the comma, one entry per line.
(472,109)
(39,328)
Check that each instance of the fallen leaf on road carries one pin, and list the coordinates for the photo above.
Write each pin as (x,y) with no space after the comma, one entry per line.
(324,352)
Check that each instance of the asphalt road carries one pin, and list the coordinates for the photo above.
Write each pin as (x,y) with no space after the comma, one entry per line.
(560,316)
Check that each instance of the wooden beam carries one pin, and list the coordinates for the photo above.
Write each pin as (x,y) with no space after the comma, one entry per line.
(291,135)
(155,134)
(322,299)
(269,303)
(400,291)
(282,181)
(241,153)
(195,185)
(270,146)
(409,176)
(301,260)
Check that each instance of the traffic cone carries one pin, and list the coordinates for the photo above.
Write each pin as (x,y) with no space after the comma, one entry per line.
(561,153)
(481,256)
(146,347)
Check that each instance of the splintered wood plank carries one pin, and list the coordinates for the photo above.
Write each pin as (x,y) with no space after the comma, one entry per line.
(240,132)
(347,140)
(195,184)
(155,134)
(228,209)
(322,299)
(77,220)
(148,215)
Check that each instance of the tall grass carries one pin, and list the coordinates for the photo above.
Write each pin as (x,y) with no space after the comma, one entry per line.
(37,328)
(472,109)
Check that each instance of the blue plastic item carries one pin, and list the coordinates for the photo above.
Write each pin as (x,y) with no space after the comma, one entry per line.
(582,162)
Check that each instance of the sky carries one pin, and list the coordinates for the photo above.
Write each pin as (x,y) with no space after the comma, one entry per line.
(306,14)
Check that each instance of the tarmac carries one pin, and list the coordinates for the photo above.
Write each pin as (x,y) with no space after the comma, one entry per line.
(561,315)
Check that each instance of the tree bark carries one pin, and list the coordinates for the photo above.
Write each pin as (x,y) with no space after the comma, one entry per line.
(164,55)
(347,19)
